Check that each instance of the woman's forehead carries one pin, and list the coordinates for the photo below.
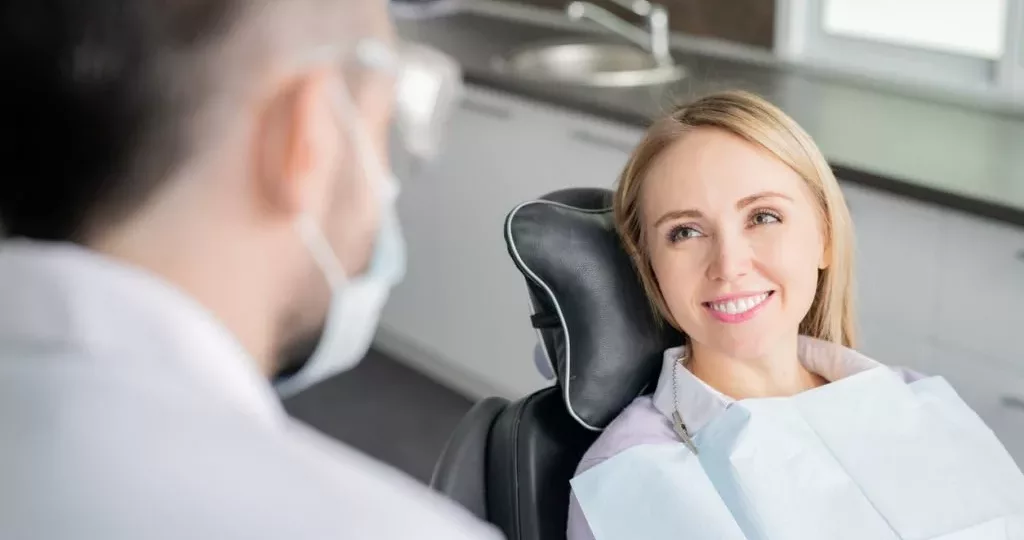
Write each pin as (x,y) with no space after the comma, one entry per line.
(713,168)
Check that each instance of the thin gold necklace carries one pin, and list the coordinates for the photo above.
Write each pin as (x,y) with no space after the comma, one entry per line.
(677,417)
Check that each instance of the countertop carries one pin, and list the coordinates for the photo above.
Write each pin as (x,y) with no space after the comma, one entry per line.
(957,156)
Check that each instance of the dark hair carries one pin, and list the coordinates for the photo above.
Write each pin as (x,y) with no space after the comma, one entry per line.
(89,130)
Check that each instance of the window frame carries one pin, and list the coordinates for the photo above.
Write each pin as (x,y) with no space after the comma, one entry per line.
(800,37)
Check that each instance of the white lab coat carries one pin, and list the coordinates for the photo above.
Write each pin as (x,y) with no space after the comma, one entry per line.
(128,412)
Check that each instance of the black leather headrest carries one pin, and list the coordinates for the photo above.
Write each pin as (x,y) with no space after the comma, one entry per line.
(594,322)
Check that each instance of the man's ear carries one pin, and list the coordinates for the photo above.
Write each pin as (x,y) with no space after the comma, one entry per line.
(297,145)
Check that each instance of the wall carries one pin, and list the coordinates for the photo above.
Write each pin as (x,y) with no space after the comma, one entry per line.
(751,22)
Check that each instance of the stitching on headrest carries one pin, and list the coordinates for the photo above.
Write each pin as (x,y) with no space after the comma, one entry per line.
(558,308)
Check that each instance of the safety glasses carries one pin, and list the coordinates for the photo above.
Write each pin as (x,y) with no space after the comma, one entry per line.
(428,85)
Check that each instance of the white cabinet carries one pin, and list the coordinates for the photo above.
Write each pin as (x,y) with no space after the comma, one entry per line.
(893,346)
(897,263)
(941,292)
(987,386)
(462,312)
(981,304)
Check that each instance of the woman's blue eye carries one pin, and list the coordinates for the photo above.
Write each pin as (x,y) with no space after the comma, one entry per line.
(764,217)
(682,232)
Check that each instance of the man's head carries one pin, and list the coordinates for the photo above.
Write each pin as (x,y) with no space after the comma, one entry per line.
(189,137)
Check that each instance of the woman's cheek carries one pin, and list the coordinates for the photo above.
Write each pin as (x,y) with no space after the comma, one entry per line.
(793,259)
(678,280)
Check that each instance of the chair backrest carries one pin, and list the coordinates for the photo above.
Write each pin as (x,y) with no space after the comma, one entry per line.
(461,471)
(604,344)
(598,329)
(532,454)
(510,464)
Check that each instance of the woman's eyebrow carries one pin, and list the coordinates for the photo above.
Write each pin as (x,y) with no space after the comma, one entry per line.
(676,214)
(747,201)
(742,203)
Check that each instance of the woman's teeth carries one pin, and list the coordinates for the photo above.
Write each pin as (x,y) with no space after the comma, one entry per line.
(741,305)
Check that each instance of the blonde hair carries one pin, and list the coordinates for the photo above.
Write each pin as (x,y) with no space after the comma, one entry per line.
(831,316)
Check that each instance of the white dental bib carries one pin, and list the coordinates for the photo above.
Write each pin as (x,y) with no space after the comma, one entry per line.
(865,457)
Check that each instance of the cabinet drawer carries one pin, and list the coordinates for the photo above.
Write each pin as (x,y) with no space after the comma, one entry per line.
(993,391)
(895,347)
(896,259)
(490,104)
(982,288)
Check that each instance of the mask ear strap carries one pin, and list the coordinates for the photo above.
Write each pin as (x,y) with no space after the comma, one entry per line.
(321,251)
(357,133)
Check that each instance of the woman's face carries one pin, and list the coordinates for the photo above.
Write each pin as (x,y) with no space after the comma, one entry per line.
(735,242)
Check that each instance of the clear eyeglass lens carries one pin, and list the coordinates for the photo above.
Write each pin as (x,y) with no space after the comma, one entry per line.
(428,86)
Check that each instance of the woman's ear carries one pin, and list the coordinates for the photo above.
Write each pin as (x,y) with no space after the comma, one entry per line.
(826,255)
(297,145)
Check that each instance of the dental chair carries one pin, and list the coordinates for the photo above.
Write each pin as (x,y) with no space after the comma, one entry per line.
(510,463)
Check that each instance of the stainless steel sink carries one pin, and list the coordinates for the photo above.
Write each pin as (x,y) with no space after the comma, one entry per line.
(589,64)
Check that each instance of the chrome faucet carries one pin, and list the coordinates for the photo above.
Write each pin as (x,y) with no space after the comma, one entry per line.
(655,39)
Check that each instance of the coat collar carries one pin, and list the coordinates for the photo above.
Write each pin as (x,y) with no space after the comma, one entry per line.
(60,296)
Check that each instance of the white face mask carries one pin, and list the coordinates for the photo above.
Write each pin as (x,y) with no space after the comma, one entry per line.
(356,302)
(427,84)
(355,305)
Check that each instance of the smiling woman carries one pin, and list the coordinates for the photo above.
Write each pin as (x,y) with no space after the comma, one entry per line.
(743,242)
(726,206)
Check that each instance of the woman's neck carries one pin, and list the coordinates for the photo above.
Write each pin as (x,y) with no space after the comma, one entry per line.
(778,373)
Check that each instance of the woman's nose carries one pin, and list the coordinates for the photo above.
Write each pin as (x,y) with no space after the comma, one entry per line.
(731,258)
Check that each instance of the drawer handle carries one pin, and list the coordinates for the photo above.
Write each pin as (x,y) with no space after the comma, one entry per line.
(598,140)
(1013,402)
(486,109)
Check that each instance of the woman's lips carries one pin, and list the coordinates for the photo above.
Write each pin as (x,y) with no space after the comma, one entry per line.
(737,309)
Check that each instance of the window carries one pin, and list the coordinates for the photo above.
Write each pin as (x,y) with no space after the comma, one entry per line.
(972,46)
(974,28)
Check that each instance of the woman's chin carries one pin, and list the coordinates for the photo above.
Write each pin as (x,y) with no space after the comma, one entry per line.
(740,344)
